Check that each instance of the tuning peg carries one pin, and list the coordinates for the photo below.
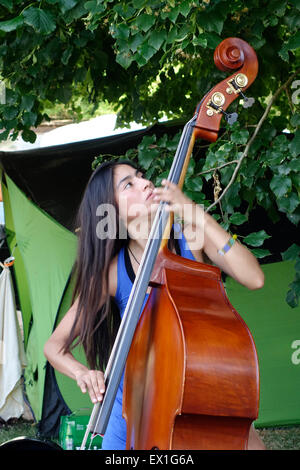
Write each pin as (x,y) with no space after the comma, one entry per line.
(247,102)
(230,118)
(235,85)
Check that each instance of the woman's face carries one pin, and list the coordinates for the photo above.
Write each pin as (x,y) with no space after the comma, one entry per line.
(133,193)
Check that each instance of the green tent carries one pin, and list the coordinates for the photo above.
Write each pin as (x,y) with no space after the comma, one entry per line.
(41,192)
(44,256)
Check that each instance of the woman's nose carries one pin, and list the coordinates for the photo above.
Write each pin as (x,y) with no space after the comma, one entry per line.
(145,184)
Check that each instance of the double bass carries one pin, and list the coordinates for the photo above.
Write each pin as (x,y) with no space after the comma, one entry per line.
(191,378)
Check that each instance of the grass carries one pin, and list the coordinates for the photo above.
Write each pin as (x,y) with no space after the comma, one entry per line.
(281,438)
(276,438)
(15,428)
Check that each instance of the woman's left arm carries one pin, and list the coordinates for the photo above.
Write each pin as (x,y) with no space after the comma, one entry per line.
(238,262)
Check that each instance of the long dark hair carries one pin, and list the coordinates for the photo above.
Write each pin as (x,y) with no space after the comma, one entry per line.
(97,315)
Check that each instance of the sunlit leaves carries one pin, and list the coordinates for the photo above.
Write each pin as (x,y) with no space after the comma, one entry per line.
(152,59)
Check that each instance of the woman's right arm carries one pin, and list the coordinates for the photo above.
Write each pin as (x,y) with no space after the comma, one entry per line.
(88,380)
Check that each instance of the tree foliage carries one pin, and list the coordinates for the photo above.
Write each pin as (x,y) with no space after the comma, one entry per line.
(153,59)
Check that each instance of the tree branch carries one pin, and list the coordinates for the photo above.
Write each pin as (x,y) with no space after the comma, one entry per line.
(250,141)
(217,167)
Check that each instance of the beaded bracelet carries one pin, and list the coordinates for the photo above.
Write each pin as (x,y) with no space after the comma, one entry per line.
(228,245)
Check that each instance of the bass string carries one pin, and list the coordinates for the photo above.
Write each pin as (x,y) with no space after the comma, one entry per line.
(174,175)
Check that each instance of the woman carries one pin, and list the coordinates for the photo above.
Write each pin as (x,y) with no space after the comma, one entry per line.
(109,253)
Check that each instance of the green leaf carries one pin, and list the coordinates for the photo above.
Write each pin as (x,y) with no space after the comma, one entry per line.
(237,218)
(10,112)
(256,238)
(280,185)
(172,35)
(288,203)
(194,184)
(292,44)
(212,21)
(191,169)
(185,7)
(213,40)
(41,21)
(28,136)
(200,40)
(120,31)
(292,298)
(74,13)
(291,253)
(173,14)
(7,4)
(295,120)
(283,169)
(27,102)
(146,157)
(125,59)
(294,217)
(29,119)
(4,135)
(64,93)
(225,225)
(273,156)
(240,137)
(279,8)
(260,253)
(295,165)
(145,22)
(196,196)
(296,3)
(135,41)
(148,140)
(125,11)
(232,198)
(66,5)
(66,55)
(281,143)
(138,4)
(295,144)
(157,38)
(11,25)
(146,51)
(292,20)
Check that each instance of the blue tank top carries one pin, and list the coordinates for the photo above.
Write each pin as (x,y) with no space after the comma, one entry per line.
(115,435)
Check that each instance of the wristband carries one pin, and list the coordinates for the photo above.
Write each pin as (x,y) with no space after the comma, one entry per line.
(227,246)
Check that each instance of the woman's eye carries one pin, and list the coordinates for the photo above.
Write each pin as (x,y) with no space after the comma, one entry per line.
(127,185)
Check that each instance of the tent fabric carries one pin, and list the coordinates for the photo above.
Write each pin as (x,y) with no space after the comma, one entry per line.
(18,271)
(54,406)
(12,354)
(276,331)
(48,251)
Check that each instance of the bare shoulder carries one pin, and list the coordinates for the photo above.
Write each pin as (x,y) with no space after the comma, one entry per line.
(113,276)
